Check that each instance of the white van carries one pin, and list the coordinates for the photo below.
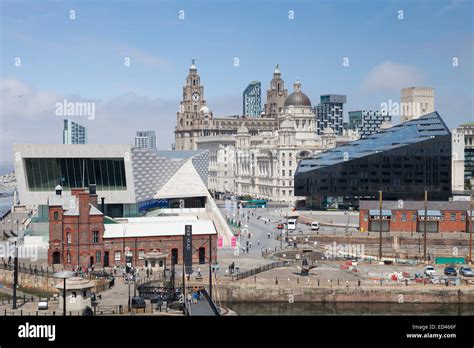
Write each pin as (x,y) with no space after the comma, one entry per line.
(291,224)
(315,226)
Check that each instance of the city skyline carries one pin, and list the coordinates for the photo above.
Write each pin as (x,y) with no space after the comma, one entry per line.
(146,94)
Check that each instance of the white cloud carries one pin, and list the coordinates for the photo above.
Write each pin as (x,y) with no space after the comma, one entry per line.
(391,76)
(27,115)
(140,56)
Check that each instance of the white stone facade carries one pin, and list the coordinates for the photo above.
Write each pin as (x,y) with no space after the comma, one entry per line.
(416,102)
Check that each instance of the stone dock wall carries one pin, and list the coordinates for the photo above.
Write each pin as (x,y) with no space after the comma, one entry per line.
(234,292)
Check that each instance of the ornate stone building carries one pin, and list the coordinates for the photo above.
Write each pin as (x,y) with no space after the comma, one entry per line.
(256,156)
(195,119)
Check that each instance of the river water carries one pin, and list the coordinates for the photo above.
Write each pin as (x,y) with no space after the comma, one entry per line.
(317,308)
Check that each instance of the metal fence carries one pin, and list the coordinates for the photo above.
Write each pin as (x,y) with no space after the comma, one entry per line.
(29,269)
(49,271)
(260,269)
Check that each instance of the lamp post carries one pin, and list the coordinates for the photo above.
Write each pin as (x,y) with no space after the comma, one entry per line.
(64,275)
(15,275)
(424,225)
(470,231)
(380,221)
(15,268)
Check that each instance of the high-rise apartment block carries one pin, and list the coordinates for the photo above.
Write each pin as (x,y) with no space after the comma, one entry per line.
(145,139)
(329,113)
(367,122)
(74,133)
(252,100)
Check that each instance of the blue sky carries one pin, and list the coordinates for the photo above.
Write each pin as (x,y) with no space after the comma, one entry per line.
(83,58)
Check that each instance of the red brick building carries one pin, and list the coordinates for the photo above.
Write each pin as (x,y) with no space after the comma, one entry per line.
(78,235)
(409,216)
(76,227)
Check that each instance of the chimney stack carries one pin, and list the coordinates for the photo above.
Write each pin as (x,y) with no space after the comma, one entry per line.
(93,195)
(102,205)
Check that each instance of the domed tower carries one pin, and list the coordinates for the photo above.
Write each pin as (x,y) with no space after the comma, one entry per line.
(276,95)
(298,106)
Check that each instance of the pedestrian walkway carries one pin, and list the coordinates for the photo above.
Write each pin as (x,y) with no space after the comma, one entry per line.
(203,307)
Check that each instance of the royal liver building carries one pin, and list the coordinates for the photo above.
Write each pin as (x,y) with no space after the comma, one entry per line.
(255,156)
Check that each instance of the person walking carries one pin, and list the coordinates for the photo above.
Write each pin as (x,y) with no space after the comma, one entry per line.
(190,299)
(258,242)
(268,235)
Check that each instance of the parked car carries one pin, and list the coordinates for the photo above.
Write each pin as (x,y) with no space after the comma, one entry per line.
(429,270)
(450,271)
(315,226)
(466,271)
(280,226)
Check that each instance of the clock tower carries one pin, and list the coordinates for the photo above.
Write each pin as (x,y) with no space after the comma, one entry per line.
(191,112)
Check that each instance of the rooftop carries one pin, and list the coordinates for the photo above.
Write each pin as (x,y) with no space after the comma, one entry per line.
(158,228)
(411,132)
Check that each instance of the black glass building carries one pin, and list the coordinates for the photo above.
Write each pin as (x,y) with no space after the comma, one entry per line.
(401,161)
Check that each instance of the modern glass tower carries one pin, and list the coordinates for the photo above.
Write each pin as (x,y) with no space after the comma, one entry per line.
(145,139)
(402,161)
(252,102)
(74,133)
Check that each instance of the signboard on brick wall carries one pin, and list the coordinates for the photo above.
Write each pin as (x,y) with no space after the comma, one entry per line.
(188,249)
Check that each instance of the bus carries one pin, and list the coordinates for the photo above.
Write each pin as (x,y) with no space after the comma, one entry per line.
(254,203)
(291,224)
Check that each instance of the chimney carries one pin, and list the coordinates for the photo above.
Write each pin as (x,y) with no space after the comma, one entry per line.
(102,205)
(93,195)
(76,191)
(83,206)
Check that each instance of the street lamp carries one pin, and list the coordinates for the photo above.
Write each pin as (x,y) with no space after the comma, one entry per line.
(15,274)
(64,275)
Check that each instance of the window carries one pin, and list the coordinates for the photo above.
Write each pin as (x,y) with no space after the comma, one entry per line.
(404,217)
(97,256)
(366,217)
(141,254)
(283,173)
(95,237)
(68,255)
(55,215)
(413,217)
(74,294)
(290,173)
(117,256)
(453,216)
(463,217)
(68,237)
(84,294)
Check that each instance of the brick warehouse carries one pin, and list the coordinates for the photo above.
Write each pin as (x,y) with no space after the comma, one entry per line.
(408,216)
(104,245)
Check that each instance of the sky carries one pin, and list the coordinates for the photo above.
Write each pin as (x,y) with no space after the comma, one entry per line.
(82,59)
